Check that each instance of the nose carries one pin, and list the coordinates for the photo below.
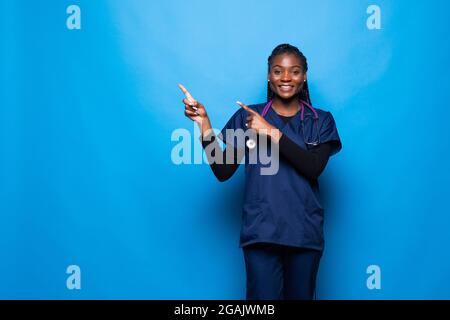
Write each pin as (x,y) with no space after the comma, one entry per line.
(286,76)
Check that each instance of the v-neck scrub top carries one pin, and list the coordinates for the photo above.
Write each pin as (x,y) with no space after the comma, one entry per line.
(283,208)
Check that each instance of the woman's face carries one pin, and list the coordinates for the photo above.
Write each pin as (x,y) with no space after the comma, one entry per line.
(286,75)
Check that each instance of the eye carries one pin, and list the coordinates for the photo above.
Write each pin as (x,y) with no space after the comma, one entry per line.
(277,72)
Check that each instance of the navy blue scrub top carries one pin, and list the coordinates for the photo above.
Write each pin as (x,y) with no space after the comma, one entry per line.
(283,208)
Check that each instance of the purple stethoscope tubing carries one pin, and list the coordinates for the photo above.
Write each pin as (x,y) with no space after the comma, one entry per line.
(252,144)
(302,107)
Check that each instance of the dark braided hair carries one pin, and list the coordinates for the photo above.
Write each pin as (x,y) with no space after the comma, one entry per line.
(289,49)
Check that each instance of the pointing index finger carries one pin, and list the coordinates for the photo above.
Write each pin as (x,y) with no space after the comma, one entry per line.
(186,93)
(246,108)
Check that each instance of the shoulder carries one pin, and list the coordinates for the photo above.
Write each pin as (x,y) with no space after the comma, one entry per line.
(326,119)
(239,117)
(325,116)
(257,107)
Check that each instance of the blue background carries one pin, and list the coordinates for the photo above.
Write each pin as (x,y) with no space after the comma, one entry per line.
(86,175)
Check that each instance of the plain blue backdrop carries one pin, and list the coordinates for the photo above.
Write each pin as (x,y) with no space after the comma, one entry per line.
(86,175)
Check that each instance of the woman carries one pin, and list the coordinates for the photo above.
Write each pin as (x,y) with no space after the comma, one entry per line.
(282,222)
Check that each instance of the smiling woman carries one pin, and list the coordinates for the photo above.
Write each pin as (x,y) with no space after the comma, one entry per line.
(286,76)
(287,79)
(282,223)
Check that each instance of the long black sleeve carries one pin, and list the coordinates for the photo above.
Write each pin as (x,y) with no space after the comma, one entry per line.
(310,163)
(226,168)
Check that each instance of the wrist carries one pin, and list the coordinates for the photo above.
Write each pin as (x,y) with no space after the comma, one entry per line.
(275,135)
(205,126)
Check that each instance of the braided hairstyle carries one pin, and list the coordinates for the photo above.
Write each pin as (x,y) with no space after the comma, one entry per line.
(289,49)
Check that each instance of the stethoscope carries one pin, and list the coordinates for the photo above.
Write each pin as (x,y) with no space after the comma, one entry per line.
(251,144)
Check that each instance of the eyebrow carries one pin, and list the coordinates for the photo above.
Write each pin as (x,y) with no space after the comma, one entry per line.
(296,66)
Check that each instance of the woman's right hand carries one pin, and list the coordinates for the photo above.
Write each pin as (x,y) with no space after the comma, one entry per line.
(194,110)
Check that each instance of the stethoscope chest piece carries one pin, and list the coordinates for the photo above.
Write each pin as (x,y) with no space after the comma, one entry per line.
(251,144)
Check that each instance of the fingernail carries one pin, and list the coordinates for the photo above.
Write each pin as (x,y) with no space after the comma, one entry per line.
(238,102)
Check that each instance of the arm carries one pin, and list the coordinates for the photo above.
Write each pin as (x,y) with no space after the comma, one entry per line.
(195,111)
(225,169)
(310,163)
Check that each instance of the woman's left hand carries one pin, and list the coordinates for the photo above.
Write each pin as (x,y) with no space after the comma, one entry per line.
(257,122)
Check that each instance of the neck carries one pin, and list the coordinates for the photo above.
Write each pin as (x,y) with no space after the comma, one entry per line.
(286,107)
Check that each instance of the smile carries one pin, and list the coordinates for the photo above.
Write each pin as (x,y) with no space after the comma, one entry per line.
(286,88)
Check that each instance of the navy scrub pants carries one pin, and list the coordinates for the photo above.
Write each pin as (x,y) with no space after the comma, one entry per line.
(276,272)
